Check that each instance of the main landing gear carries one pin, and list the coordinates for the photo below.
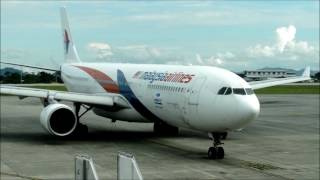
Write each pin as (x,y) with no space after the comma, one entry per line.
(216,152)
(224,135)
(81,129)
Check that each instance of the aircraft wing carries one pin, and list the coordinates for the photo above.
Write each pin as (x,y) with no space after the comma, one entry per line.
(29,66)
(273,82)
(92,99)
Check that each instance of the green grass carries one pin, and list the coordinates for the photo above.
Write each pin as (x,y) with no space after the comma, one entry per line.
(286,89)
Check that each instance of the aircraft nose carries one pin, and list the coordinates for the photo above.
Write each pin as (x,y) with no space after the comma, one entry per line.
(249,109)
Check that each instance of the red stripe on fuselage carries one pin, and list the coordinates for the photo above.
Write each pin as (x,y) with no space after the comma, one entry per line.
(105,81)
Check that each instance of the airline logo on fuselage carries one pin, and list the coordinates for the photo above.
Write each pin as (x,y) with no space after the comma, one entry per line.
(165,77)
(66,41)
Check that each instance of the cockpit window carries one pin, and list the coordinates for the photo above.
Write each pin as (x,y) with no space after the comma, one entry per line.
(222,90)
(228,91)
(249,91)
(225,91)
(240,91)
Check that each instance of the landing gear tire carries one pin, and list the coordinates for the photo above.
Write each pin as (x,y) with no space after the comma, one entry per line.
(161,128)
(212,153)
(216,152)
(220,152)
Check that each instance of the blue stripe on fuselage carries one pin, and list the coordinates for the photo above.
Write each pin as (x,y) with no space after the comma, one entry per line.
(126,91)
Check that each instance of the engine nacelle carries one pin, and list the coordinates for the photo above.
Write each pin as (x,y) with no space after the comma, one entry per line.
(58,119)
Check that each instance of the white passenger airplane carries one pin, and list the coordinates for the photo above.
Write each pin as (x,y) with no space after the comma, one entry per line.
(203,98)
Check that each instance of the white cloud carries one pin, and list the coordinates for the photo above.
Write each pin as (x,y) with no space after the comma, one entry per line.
(215,60)
(141,52)
(133,47)
(126,54)
(199,59)
(226,55)
(99,46)
(219,61)
(259,50)
(286,45)
(102,50)
(155,52)
(285,36)
(301,47)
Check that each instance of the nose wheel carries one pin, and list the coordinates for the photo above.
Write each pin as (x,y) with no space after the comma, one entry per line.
(216,151)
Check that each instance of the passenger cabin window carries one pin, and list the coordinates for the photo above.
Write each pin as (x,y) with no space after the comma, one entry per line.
(239,91)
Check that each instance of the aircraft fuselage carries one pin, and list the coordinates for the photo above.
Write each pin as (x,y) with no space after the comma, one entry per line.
(182,96)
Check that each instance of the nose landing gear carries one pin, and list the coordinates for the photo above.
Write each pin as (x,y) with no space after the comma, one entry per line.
(216,152)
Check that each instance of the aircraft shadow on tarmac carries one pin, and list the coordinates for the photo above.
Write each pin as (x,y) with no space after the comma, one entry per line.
(101,137)
(92,136)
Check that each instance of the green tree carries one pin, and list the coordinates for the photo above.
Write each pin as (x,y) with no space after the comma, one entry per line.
(29,78)
(317,76)
(44,77)
(13,78)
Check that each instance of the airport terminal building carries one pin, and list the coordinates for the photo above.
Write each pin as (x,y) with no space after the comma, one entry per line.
(254,75)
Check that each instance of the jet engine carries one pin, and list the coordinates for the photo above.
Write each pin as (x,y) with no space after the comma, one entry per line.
(58,119)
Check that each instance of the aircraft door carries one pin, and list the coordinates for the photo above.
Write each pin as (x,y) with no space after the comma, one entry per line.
(190,110)
(195,90)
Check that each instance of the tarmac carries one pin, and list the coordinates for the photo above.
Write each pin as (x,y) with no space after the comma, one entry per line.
(283,143)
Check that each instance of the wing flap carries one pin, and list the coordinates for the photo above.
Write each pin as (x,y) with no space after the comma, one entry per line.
(84,98)
(23,92)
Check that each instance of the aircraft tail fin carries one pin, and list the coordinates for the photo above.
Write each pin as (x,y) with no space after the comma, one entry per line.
(70,50)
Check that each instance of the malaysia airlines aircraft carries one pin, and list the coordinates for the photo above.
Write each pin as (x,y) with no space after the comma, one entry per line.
(203,98)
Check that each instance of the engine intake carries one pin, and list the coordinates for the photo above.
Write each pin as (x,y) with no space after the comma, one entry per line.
(58,119)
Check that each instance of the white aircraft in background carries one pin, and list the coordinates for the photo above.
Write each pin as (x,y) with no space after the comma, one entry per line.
(207,99)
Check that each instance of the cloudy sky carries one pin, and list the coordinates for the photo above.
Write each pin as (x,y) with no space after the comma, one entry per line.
(236,35)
